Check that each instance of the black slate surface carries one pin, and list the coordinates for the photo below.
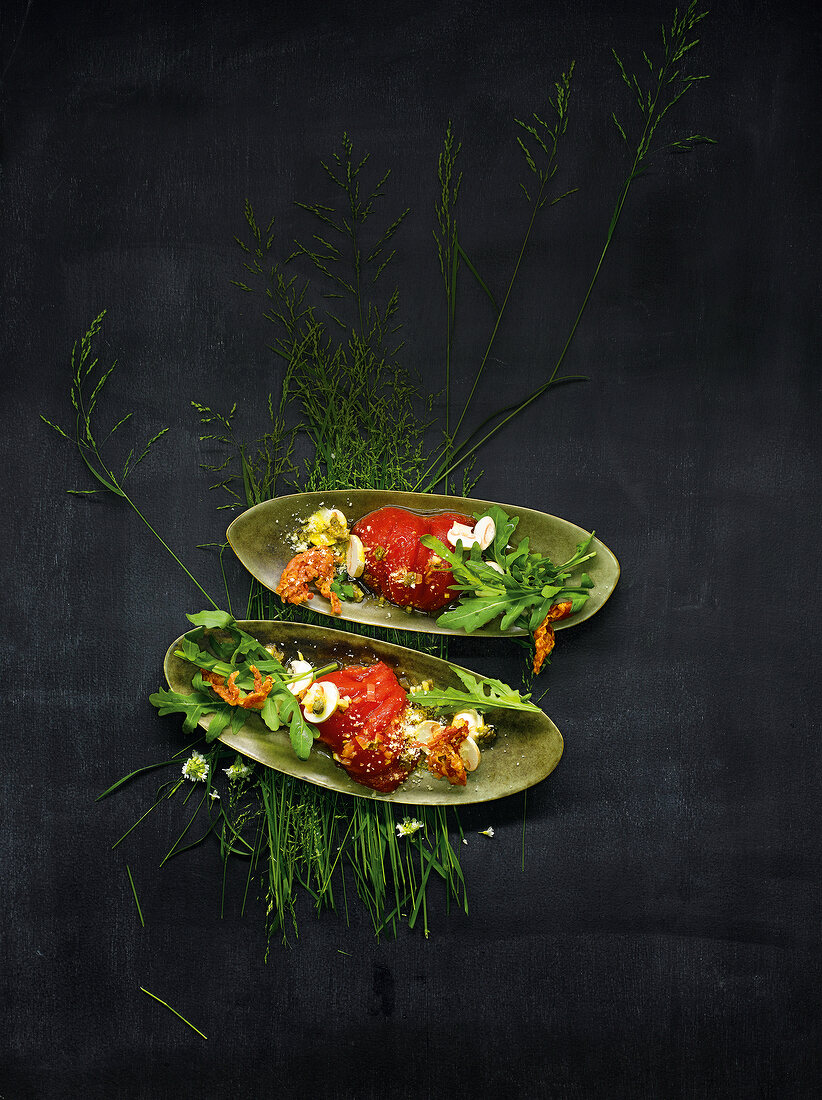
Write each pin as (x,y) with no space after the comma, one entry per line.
(663,939)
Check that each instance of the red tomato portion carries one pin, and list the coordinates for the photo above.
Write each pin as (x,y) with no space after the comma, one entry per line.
(365,737)
(397,565)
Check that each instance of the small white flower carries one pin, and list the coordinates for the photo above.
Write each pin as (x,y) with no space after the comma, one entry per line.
(213,796)
(196,768)
(408,826)
(238,771)
(464,840)
(488,832)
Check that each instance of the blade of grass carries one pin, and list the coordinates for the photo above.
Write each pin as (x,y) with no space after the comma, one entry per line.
(154,806)
(140,771)
(136,899)
(159,1000)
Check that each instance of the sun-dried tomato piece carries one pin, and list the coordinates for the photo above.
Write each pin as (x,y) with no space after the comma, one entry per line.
(228,692)
(231,694)
(255,699)
(303,569)
(544,634)
(444,757)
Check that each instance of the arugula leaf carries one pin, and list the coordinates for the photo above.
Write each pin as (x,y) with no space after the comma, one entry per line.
(517,609)
(505,528)
(190,651)
(270,715)
(212,619)
(248,647)
(238,718)
(520,554)
(577,557)
(538,614)
(192,706)
(172,702)
(219,721)
(480,692)
(578,600)
(441,550)
(302,738)
(470,615)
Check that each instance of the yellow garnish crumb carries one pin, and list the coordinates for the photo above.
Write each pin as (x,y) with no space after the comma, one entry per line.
(326,527)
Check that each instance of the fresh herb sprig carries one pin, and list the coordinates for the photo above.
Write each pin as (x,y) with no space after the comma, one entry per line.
(521,591)
(165,1004)
(540,147)
(449,253)
(350,264)
(344,392)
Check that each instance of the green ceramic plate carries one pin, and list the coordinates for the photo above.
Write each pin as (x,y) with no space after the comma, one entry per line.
(527,748)
(260,539)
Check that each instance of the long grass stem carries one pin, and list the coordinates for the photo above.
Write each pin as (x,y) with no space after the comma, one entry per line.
(174,1010)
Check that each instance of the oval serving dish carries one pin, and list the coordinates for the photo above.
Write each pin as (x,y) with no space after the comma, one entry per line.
(260,537)
(527,749)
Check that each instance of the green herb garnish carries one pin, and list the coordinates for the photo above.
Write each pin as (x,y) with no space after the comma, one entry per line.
(480,692)
(237,654)
(523,593)
(343,590)
(88,380)
(658,89)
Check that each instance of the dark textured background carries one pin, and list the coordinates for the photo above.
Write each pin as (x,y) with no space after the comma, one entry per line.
(664,937)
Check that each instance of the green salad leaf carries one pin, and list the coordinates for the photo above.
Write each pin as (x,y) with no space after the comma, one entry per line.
(480,692)
(212,619)
(514,584)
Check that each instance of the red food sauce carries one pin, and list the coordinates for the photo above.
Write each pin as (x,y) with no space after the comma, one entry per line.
(397,566)
(366,736)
